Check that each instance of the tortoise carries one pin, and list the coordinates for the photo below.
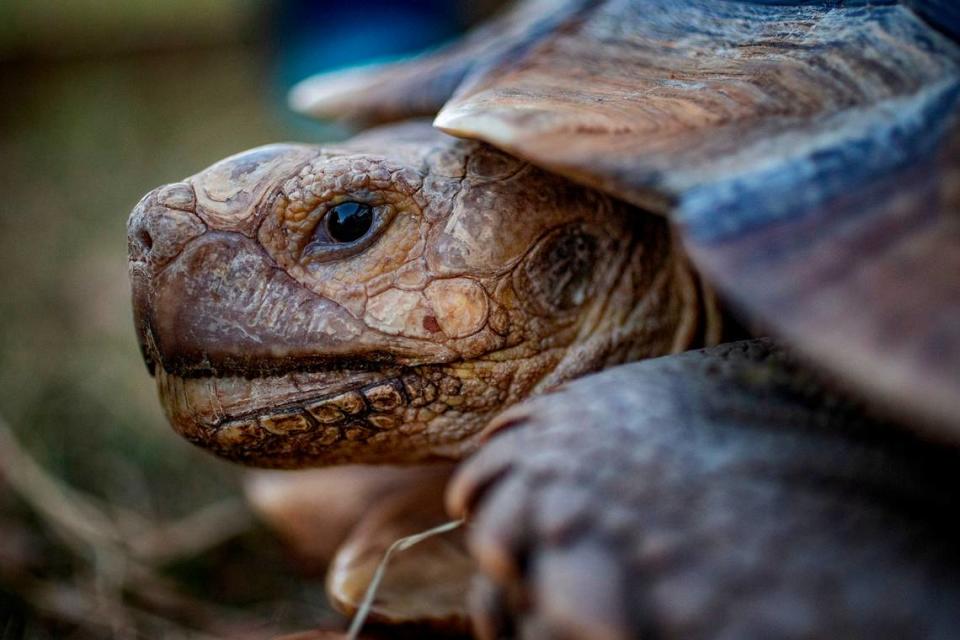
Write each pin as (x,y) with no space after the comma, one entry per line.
(650,187)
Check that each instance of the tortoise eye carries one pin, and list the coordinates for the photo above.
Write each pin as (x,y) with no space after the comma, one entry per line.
(345,229)
(348,221)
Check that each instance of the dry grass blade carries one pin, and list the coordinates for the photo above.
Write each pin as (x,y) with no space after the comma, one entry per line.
(356,625)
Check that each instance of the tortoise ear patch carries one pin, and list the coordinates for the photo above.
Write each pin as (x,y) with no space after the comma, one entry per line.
(557,274)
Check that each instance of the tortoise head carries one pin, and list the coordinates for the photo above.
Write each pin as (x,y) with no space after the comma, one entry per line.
(380,300)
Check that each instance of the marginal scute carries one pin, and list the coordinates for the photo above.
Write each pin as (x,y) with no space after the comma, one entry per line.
(649,98)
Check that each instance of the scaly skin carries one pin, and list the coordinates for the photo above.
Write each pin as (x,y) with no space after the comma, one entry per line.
(723,493)
(484,281)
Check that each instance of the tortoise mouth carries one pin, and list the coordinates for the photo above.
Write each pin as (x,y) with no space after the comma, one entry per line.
(310,414)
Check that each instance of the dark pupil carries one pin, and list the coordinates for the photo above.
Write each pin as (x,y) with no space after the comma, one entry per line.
(349,221)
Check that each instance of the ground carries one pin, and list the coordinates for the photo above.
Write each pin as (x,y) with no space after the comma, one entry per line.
(80,141)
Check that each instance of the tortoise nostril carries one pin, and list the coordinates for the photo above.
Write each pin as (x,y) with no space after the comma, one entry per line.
(146,240)
(156,231)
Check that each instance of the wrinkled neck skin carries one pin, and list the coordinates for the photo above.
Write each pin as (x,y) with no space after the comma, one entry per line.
(482,280)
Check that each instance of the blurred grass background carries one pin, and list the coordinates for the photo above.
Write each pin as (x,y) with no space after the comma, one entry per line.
(102,101)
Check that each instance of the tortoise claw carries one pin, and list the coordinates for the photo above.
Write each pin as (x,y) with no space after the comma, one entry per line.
(488,608)
(498,534)
(543,565)
(472,481)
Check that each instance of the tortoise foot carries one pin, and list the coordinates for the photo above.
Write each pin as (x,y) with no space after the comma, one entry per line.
(716,494)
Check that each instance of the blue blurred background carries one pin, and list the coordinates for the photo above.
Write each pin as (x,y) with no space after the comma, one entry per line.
(101,100)
(314,36)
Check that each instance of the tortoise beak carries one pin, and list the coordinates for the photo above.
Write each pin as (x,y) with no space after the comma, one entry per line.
(160,226)
(208,298)
(221,307)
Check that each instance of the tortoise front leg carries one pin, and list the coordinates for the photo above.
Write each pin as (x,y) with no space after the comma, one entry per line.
(716,494)
(342,520)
